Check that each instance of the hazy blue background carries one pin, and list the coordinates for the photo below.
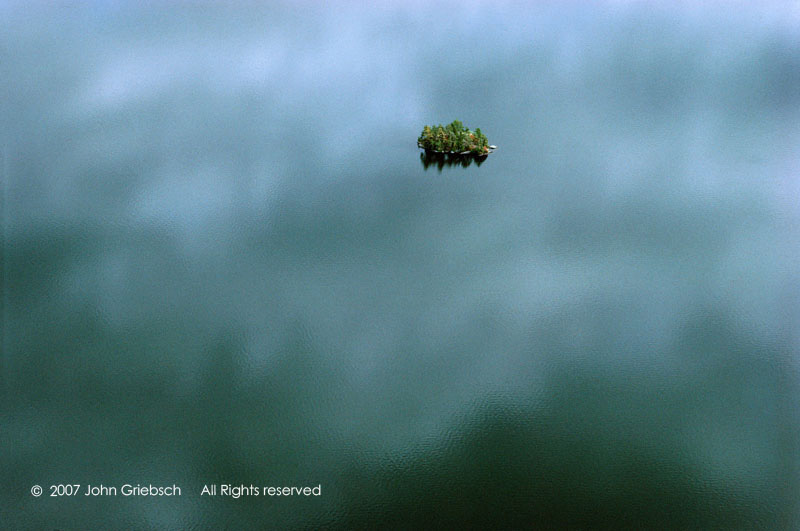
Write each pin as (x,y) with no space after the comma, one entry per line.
(223,261)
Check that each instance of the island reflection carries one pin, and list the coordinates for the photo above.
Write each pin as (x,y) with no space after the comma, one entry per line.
(440,160)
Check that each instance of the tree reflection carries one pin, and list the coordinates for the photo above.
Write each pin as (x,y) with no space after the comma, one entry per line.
(440,160)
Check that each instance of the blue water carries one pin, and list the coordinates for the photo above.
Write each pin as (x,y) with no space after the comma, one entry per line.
(225,262)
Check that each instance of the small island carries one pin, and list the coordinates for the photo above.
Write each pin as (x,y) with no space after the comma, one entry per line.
(454,139)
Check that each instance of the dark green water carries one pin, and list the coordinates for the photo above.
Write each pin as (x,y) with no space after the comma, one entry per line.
(224,262)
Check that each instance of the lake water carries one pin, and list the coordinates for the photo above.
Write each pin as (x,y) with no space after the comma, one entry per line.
(225,262)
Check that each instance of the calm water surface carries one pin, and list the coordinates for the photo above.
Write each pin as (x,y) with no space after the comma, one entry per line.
(226,262)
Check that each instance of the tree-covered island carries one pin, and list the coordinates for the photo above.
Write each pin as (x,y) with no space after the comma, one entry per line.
(454,138)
